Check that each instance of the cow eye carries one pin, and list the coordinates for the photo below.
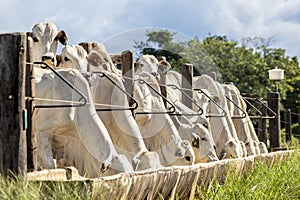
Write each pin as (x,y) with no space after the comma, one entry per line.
(66,59)
(35,39)
(141,65)
(204,139)
(205,125)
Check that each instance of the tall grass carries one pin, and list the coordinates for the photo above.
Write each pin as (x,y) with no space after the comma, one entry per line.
(279,181)
(19,188)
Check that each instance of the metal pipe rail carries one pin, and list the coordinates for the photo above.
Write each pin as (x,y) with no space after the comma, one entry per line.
(223,113)
(244,114)
(82,100)
(200,110)
(260,115)
(171,110)
(132,107)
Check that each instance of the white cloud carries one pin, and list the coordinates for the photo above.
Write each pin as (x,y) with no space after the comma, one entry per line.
(93,20)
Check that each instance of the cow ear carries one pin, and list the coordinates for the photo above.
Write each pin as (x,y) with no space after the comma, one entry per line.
(94,59)
(164,66)
(58,60)
(62,37)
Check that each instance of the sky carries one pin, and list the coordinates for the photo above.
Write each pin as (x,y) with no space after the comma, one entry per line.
(117,23)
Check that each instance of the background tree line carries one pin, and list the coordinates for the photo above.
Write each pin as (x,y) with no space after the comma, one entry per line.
(245,63)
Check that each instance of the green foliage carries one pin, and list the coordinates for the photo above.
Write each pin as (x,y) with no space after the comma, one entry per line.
(245,64)
(279,181)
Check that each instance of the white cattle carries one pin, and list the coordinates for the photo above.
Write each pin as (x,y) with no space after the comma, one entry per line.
(75,135)
(224,136)
(226,144)
(121,125)
(197,134)
(45,39)
(188,122)
(244,127)
(158,130)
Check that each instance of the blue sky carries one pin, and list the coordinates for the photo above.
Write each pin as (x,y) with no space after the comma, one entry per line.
(104,20)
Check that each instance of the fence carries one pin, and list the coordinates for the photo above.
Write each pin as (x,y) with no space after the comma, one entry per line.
(17,135)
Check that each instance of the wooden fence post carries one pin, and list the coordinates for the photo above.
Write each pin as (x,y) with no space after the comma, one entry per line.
(127,58)
(262,125)
(274,124)
(30,92)
(187,83)
(13,153)
(288,124)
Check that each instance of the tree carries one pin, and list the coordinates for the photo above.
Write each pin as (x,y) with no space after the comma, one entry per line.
(245,64)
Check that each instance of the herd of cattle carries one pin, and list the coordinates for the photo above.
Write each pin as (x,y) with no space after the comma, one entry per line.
(108,142)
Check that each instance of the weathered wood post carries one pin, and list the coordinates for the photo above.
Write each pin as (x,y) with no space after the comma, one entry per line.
(262,125)
(127,58)
(13,154)
(274,124)
(187,83)
(288,125)
(30,92)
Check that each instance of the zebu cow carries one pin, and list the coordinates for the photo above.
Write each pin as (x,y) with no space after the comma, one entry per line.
(244,127)
(188,121)
(121,125)
(45,39)
(68,147)
(223,135)
(225,142)
(74,134)
(158,130)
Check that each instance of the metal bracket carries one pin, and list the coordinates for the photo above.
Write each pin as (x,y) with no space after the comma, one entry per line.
(244,114)
(82,100)
(260,115)
(169,111)
(133,107)
(200,110)
(223,114)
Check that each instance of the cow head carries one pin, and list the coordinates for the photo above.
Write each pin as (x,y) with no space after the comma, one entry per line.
(147,63)
(45,39)
(73,56)
(100,60)
(207,147)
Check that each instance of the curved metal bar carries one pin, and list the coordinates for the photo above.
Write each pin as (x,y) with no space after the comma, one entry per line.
(244,114)
(260,115)
(82,96)
(223,113)
(134,105)
(171,110)
(191,99)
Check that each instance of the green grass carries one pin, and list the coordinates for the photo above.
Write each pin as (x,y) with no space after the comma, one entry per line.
(280,181)
(19,188)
